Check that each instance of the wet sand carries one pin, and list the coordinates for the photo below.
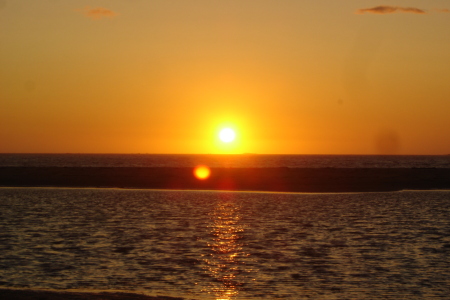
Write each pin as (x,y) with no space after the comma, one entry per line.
(17,294)
(322,180)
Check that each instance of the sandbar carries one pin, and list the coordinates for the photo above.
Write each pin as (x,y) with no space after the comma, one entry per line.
(310,180)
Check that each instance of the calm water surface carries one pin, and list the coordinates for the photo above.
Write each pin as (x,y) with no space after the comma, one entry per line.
(237,161)
(228,245)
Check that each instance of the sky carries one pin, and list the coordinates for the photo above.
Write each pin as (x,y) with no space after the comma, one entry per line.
(165,76)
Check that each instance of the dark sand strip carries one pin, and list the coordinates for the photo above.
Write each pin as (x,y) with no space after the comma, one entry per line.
(15,294)
(317,180)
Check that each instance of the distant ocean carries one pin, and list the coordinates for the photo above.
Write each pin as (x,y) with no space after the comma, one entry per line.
(237,161)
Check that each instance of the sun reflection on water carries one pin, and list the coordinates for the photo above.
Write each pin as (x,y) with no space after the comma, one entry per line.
(224,262)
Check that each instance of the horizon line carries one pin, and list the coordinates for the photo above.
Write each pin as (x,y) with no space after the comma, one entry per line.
(141,153)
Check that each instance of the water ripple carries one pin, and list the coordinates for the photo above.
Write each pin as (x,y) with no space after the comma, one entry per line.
(224,245)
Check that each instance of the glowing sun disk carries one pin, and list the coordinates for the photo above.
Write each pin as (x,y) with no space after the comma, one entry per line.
(227,135)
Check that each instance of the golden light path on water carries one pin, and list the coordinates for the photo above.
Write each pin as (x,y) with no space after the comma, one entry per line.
(224,261)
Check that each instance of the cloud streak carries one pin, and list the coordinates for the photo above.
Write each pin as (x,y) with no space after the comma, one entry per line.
(97,13)
(387,9)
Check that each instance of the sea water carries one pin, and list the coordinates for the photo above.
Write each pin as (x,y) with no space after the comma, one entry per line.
(228,245)
(236,161)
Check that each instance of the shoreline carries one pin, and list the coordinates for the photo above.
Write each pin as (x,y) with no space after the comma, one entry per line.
(33,294)
(306,180)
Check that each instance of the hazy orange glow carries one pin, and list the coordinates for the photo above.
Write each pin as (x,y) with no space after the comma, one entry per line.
(305,77)
(202,172)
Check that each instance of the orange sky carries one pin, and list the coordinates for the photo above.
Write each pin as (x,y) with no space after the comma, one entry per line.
(300,77)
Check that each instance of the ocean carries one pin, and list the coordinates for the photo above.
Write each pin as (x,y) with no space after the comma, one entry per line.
(217,160)
(226,245)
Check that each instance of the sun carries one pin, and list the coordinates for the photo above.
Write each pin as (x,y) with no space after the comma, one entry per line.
(227,135)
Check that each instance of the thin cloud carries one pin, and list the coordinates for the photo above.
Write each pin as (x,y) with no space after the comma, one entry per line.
(443,10)
(386,9)
(97,13)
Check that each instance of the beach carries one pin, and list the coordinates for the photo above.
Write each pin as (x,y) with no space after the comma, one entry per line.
(18,294)
(307,180)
